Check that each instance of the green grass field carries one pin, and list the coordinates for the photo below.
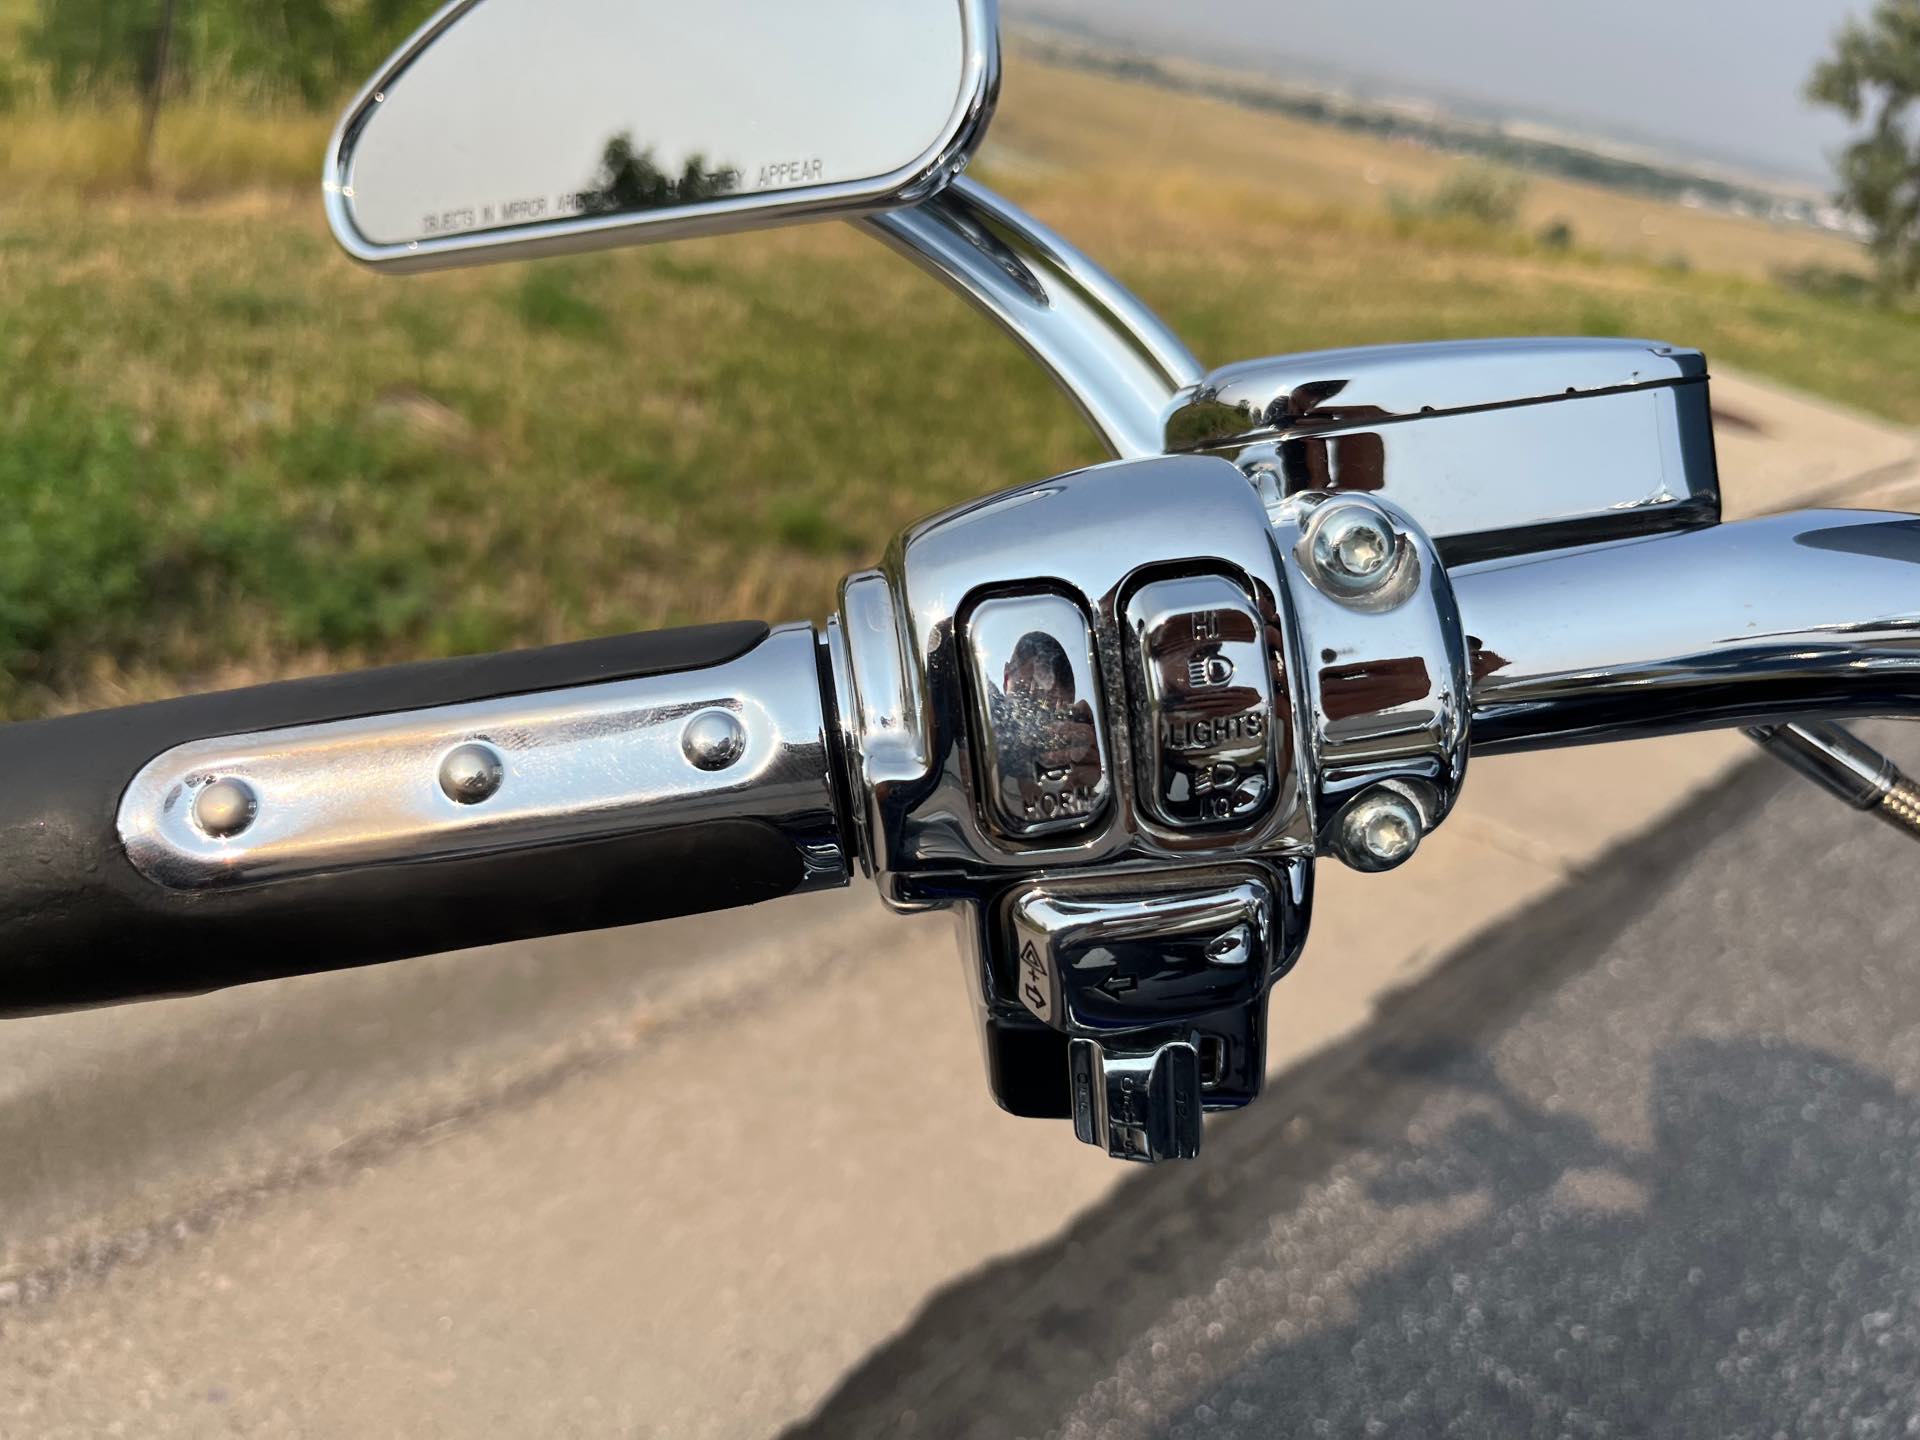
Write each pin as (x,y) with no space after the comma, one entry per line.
(225,452)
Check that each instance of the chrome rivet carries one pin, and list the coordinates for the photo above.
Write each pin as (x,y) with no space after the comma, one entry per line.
(1380,830)
(224,808)
(714,739)
(1352,548)
(471,773)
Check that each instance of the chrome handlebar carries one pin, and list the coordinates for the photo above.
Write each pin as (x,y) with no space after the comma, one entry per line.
(1114,717)
(1813,613)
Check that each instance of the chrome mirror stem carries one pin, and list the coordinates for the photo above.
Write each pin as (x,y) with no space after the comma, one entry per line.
(1117,361)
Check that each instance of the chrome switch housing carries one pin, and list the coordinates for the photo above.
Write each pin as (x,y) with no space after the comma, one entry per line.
(1109,719)
(1203,687)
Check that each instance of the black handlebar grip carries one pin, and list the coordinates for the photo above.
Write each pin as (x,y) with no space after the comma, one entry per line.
(80,926)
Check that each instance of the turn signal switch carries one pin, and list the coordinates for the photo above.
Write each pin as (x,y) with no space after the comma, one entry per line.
(1111,718)
(1162,998)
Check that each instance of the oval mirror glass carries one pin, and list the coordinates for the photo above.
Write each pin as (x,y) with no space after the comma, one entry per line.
(509,127)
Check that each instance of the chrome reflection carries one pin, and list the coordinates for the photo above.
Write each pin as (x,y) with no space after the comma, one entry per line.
(1383,685)
(905,644)
(1037,707)
(1497,447)
(1206,745)
(1093,962)
(1371,384)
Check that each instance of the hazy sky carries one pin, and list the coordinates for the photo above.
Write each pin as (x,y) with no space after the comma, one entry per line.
(1717,78)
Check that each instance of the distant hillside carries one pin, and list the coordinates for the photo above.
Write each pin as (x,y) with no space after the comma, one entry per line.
(1522,144)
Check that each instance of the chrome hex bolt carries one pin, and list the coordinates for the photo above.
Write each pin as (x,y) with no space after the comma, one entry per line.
(714,739)
(1380,830)
(471,773)
(1351,548)
(224,808)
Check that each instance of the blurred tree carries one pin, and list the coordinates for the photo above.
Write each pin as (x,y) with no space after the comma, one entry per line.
(1485,194)
(1874,75)
(89,45)
(309,50)
(313,49)
(1478,193)
(154,87)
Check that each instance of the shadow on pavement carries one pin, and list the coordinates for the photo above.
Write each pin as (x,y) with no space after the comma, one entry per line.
(1765,1284)
(1755,1270)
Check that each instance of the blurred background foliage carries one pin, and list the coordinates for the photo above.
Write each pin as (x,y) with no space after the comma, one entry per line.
(226,453)
(1873,79)
(309,49)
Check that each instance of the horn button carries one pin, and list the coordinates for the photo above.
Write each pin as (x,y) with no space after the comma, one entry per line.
(1038,712)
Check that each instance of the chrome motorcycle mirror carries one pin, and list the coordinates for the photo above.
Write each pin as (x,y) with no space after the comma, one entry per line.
(506,128)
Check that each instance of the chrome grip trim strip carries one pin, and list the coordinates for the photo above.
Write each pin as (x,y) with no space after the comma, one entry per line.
(742,740)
